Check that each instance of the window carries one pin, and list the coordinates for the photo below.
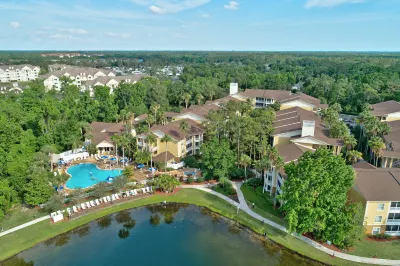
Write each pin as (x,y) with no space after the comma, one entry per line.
(381,207)
(269,177)
(378,219)
(268,188)
(394,216)
(392,228)
(395,204)
(279,183)
(376,230)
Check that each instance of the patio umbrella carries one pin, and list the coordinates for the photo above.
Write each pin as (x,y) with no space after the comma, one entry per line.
(109,179)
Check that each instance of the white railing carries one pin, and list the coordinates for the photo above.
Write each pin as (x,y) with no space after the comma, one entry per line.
(176,165)
(395,208)
(393,221)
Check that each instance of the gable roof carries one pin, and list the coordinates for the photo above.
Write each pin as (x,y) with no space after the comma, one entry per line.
(291,119)
(291,152)
(384,108)
(393,139)
(380,184)
(102,131)
(172,129)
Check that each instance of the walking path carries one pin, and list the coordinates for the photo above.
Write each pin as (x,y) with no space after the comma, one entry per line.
(244,207)
(38,220)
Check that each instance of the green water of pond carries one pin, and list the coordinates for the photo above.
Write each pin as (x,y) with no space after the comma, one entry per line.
(158,235)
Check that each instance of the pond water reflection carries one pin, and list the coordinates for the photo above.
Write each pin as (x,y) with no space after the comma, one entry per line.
(174,234)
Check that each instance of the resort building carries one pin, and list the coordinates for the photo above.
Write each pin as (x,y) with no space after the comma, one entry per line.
(391,156)
(386,111)
(111,82)
(18,73)
(78,75)
(379,191)
(296,131)
(182,144)
(102,132)
(286,99)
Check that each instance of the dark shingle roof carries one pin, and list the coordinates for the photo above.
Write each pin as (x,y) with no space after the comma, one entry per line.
(385,108)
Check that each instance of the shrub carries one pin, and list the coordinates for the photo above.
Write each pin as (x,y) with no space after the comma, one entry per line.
(255,182)
(191,162)
(200,179)
(379,236)
(190,180)
(237,173)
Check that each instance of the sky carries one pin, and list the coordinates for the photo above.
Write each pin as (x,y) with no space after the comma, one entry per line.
(240,25)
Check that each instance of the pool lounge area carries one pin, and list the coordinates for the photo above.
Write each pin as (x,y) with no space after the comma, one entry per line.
(88,174)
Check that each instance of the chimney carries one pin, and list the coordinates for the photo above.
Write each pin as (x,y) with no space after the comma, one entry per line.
(233,89)
(308,128)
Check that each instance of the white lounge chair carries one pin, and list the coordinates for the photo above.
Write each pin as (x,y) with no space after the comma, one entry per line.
(97,201)
(83,206)
(75,208)
(108,198)
(147,189)
(69,210)
(92,203)
(113,197)
(116,196)
(151,189)
(88,204)
(59,212)
(135,192)
(53,214)
(105,200)
(144,190)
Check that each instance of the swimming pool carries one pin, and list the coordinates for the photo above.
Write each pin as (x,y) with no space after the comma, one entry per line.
(86,175)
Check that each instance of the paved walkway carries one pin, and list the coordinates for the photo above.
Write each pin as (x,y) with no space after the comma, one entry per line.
(244,207)
(38,220)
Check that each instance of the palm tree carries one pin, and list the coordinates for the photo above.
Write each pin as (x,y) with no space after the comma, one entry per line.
(353,156)
(165,140)
(186,97)
(264,165)
(199,98)
(116,139)
(154,108)
(377,146)
(350,142)
(360,121)
(150,120)
(383,129)
(124,142)
(151,139)
(245,160)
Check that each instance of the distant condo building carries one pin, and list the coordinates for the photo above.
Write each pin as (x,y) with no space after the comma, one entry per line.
(9,73)
(86,78)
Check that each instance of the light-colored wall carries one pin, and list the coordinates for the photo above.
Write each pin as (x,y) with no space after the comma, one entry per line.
(372,211)
(393,116)
(281,140)
(297,103)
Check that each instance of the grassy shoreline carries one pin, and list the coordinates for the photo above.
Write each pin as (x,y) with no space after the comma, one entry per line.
(28,237)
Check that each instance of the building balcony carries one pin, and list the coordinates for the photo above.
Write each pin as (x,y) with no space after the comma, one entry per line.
(393,221)
(395,209)
(188,141)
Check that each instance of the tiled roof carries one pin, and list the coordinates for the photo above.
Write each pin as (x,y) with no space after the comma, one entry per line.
(172,129)
(102,131)
(380,184)
(291,152)
(161,157)
(385,108)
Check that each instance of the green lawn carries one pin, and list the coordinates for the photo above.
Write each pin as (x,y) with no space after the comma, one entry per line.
(364,248)
(262,205)
(382,250)
(28,237)
(19,216)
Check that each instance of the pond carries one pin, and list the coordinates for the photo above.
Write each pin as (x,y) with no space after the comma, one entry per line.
(88,174)
(174,234)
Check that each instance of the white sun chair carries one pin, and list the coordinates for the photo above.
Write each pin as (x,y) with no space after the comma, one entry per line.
(75,208)
(92,203)
(151,189)
(116,196)
(113,197)
(108,198)
(53,214)
(135,192)
(144,190)
(105,199)
(83,206)
(148,189)
(69,210)
(88,204)
(59,212)
(97,201)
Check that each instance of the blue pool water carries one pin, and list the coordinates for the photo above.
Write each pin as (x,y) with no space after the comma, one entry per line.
(81,175)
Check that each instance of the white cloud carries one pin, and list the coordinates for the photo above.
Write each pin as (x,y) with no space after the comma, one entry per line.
(15,25)
(119,35)
(204,15)
(75,31)
(232,5)
(330,3)
(170,6)
(59,36)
